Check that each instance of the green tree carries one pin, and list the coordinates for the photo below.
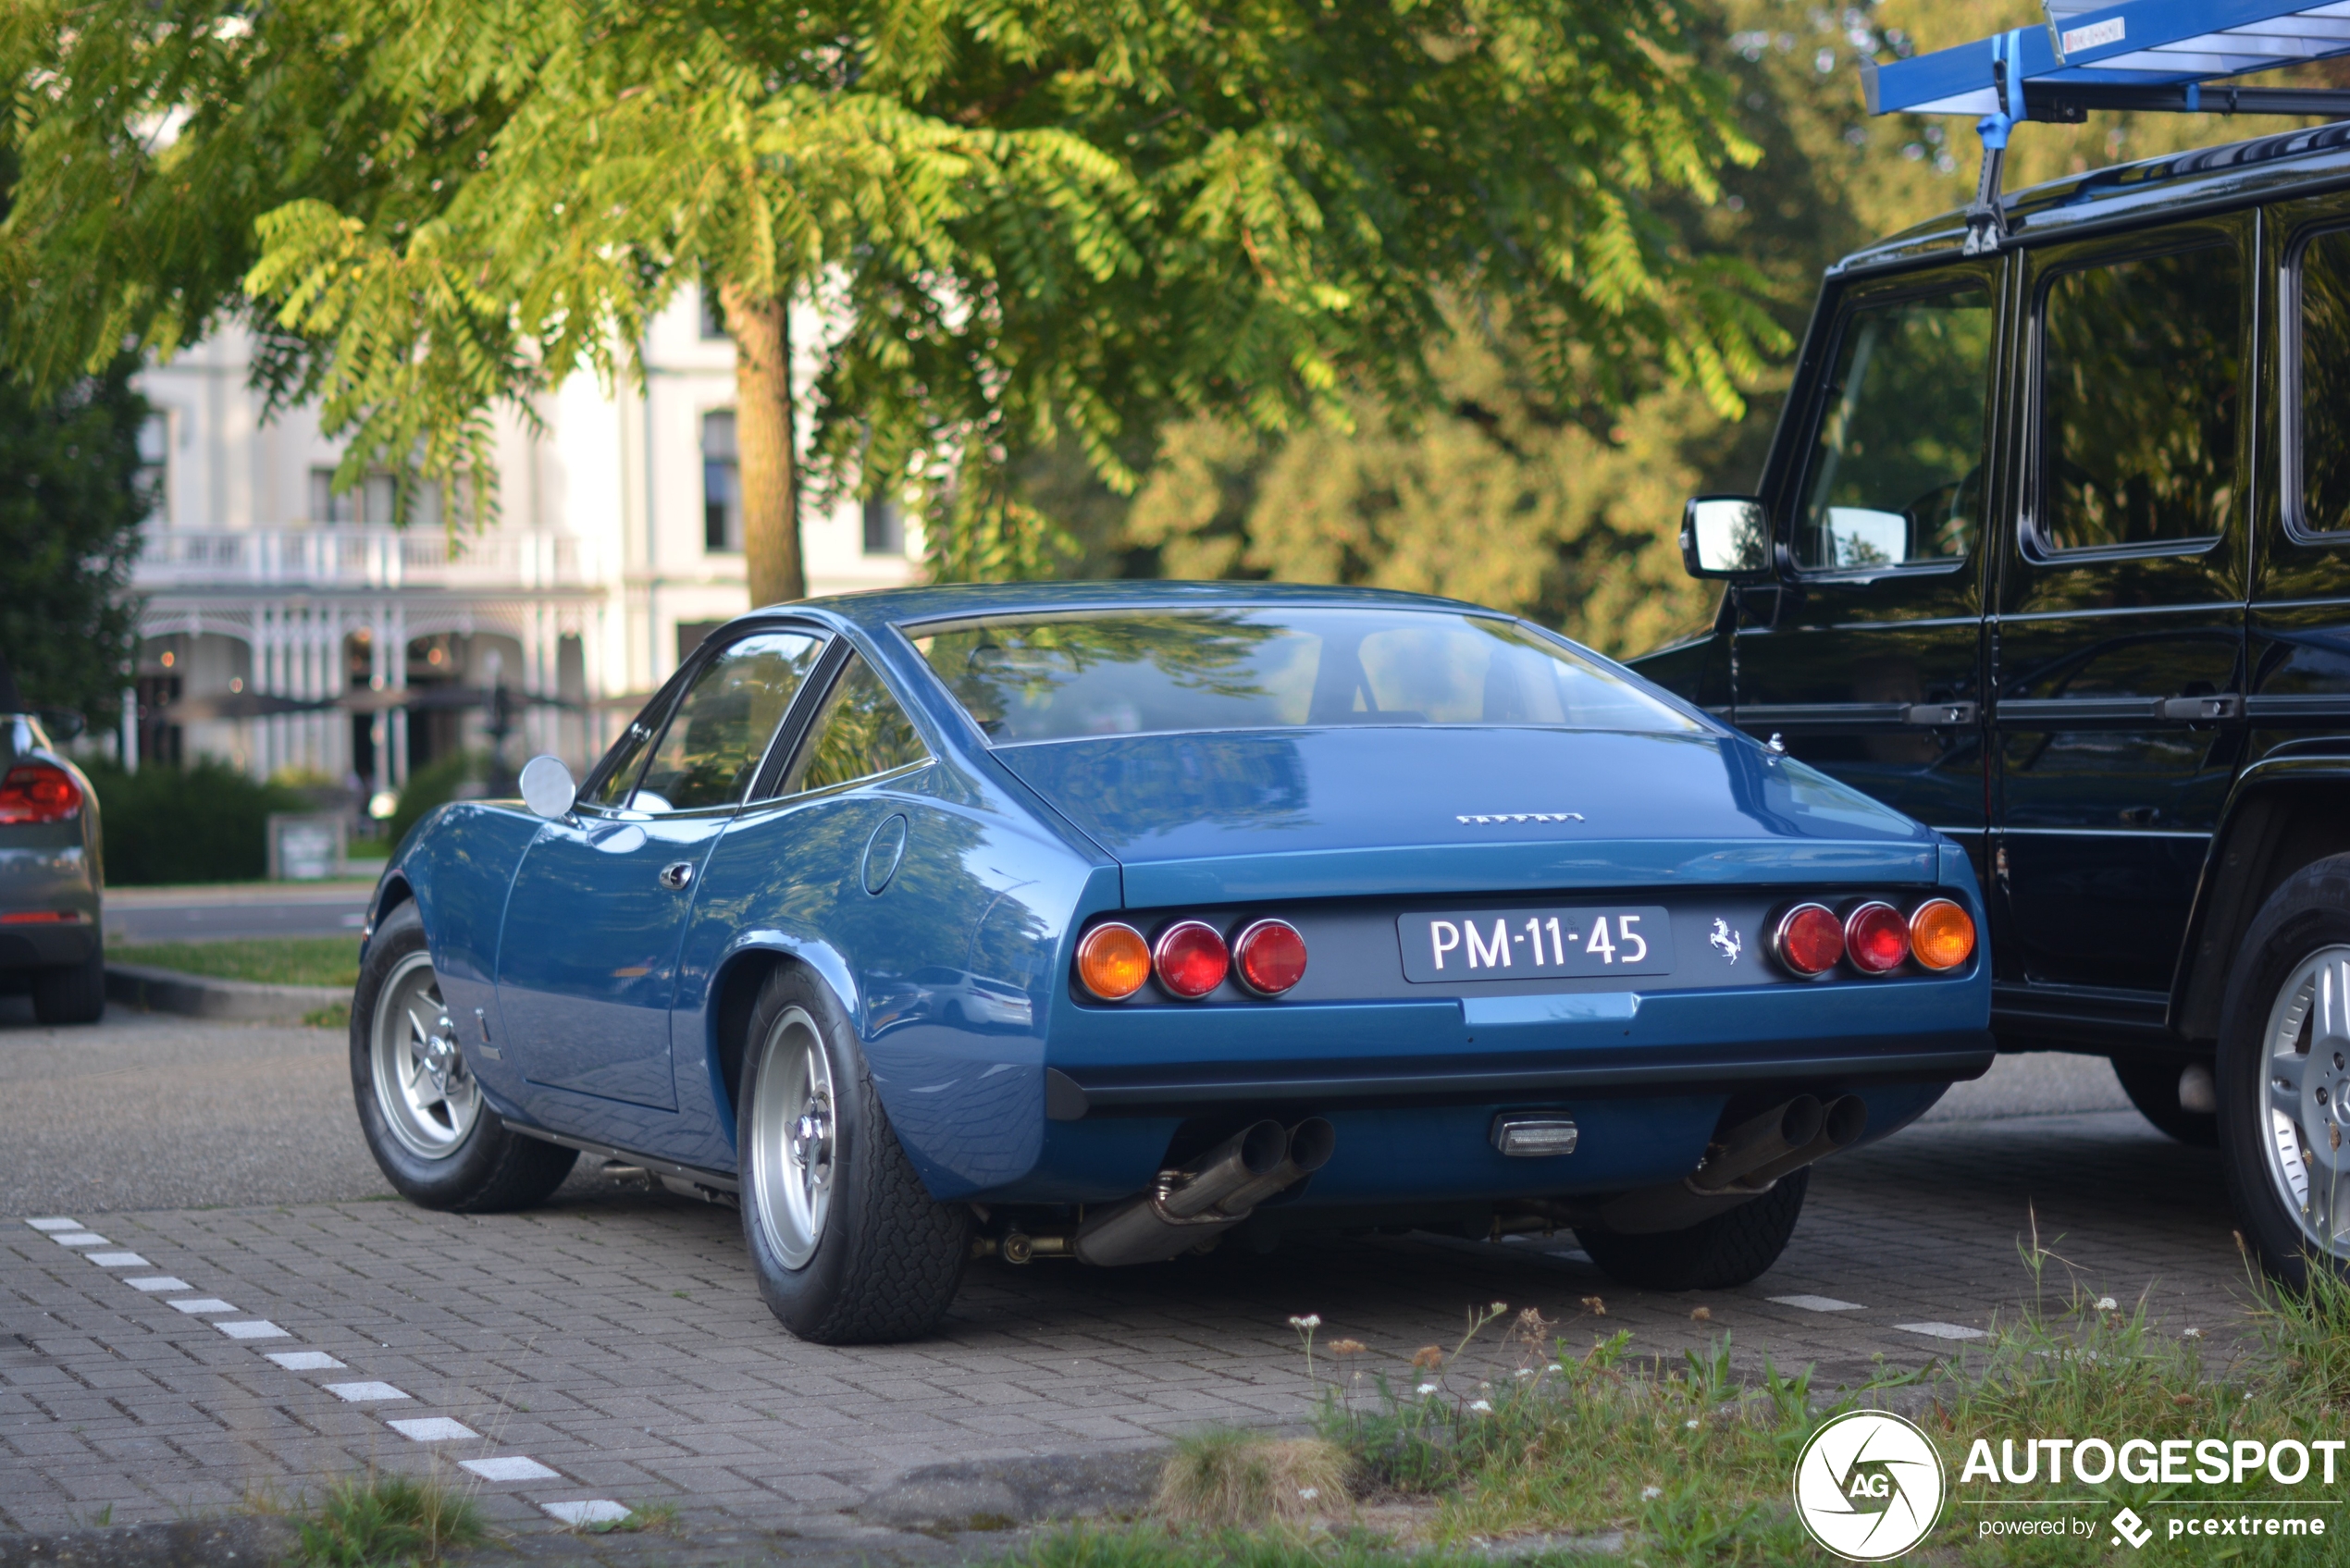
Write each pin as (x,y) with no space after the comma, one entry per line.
(1029,223)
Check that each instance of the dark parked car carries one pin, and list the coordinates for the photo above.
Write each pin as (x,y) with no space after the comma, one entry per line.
(50,872)
(2052,551)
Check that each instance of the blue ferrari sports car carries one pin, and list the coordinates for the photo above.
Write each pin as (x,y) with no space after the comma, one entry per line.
(1117,921)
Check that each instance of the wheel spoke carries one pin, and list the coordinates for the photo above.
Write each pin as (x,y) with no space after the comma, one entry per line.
(2286,1074)
(2330,1027)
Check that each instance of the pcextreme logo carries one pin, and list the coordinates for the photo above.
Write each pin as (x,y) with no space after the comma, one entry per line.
(1869,1486)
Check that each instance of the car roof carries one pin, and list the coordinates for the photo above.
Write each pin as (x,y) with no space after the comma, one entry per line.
(895,607)
(2124,195)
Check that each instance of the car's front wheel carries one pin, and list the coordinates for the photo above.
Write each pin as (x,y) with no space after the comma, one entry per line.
(847,1246)
(1730,1249)
(422,1112)
(2283,1076)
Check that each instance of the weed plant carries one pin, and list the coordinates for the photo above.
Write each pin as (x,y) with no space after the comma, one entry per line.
(380,1521)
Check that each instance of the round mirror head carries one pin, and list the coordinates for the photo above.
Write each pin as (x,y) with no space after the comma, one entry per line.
(546,787)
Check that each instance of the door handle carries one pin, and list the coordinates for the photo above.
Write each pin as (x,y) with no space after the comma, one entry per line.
(675,875)
(2200,710)
(1941,715)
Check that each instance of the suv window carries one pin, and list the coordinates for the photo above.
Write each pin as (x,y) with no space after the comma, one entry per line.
(1897,469)
(861,732)
(2325,384)
(2141,362)
(723,724)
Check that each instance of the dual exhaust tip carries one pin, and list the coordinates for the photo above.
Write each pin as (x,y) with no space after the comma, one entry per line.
(1742,1163)
(1185,1208)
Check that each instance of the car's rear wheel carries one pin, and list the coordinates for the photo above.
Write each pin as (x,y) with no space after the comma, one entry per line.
(2283,1074)
(75,993)
(1730,1249)
(435,1138)
(847,1246)
(2153,1086)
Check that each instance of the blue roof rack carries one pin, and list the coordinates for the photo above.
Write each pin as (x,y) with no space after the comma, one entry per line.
(2142,55)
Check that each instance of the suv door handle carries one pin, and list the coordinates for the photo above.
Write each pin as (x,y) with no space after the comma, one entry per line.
(1940,715)
(675,875)
(2200,710)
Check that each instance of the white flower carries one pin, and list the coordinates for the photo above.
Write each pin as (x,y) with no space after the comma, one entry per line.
(1556,1367)
(1690,1422)
(1525,1372)
(2106,1303)
(1311,1320)
(1649,1494)
(1481,1406)
(2190,1333)
(1427,1388)
(1309,1493)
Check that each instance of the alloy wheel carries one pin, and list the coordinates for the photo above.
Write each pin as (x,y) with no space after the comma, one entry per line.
(430,1100)
(793,1139)
(2305,1077)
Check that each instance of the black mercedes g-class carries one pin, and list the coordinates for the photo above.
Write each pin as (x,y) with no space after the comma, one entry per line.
(2052,551)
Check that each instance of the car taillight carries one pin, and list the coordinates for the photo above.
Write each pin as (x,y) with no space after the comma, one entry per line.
(1190,959)
(1941,935)
(1270,956)
(1113,960)
(1808,940)
(38,792)
(1876,938)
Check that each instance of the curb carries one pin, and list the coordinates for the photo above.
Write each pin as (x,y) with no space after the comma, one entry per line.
(202,997)
(996,1494)
(187,1543)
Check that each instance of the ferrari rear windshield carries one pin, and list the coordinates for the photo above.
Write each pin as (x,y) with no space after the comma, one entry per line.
(1109,673)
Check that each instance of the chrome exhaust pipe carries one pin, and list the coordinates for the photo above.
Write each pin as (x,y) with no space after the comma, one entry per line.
(1846,1118)
(1725,1177)
(1182,1210)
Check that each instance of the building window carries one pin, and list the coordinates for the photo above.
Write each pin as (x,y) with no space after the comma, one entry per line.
(721,486)
(885,528)
(376,501)
(155,466)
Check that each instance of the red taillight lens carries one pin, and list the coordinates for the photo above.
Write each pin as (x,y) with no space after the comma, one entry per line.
(1941,935)
(1876,938)
(1271,957)
(1190,959)
(1809,940)
(1113,960)
(38,792)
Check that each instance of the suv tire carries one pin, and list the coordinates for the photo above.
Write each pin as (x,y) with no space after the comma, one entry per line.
(2284,1061)
(1715,1255)
(76,994)
(847,1245)
(2153,1086)
(435,1137)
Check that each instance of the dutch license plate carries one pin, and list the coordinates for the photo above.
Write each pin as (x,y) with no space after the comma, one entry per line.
(1536,943)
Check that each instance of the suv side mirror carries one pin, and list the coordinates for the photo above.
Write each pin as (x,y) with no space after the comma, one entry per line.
(1726,536)
(547,788)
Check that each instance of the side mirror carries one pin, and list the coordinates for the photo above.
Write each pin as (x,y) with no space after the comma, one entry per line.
(547,788)
(1726,536)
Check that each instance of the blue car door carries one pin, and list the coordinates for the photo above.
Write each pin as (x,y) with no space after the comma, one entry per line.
(587,957)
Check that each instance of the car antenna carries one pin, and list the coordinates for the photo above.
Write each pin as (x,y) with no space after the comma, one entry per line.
(2147,55)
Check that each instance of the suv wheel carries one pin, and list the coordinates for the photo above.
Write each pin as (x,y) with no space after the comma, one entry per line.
(76,994)
(419,1106)
(847,1245)
(2283,1074)
(2153,1086)
(1715,1255)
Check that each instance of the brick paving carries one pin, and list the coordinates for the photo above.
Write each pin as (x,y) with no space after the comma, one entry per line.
(617,1337)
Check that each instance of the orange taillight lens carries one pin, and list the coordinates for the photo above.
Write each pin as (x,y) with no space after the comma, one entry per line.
(1941,935)
(1113,962)
(1876,938)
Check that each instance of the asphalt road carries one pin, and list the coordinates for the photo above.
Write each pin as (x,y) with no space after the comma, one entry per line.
(200,914)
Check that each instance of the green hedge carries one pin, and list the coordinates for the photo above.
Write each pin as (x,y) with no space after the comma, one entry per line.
(435,785)
(208,822)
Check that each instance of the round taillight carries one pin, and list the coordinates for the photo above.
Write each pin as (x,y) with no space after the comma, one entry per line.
(1190,959)
(1876,938)
(38,792)
(1270,956)
(1113,960)
(1941,935)
(1809,940)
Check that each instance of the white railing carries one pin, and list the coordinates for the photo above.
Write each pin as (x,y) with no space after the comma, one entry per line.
(345,557)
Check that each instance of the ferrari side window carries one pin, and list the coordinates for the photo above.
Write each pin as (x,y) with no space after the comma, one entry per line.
(721,727)
(617,775)
(861,732)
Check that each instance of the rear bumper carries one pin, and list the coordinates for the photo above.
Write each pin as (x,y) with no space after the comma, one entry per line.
(46,946)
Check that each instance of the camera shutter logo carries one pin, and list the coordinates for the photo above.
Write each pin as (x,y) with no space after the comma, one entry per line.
(1869,1486)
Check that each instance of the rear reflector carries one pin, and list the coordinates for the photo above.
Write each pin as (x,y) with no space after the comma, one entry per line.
(41,918)
(1941,935)
(1112,961)
(1876,938)
(1190,959)
(38,792)
(1809,940)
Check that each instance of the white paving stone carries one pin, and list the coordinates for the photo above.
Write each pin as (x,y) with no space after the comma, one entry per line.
(253,1328)
(432,1430)
(1941,1330)
(1817,1303)
(304,1360)
(55,1222)
(159,1282)
(595,1511)
(119,1260)
(80,1238)
(361,1394)
(513,1468)
(203,1304)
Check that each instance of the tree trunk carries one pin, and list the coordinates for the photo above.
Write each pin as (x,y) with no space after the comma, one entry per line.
(768,464)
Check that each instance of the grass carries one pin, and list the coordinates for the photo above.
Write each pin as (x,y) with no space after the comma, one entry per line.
(377,1521)
(274,961)
(1222,1478)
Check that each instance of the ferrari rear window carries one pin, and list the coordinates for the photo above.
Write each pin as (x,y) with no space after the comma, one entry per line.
(1039,678)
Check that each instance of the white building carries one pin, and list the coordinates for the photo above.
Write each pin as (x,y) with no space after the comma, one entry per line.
(617,547)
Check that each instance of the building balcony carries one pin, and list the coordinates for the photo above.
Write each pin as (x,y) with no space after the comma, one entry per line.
(351,559)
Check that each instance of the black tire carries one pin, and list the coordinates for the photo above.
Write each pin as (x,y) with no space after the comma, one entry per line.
(2153,1086)
(485,1167)
(2308,914)
(1730,1249)
(76,994)
(881,1259)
